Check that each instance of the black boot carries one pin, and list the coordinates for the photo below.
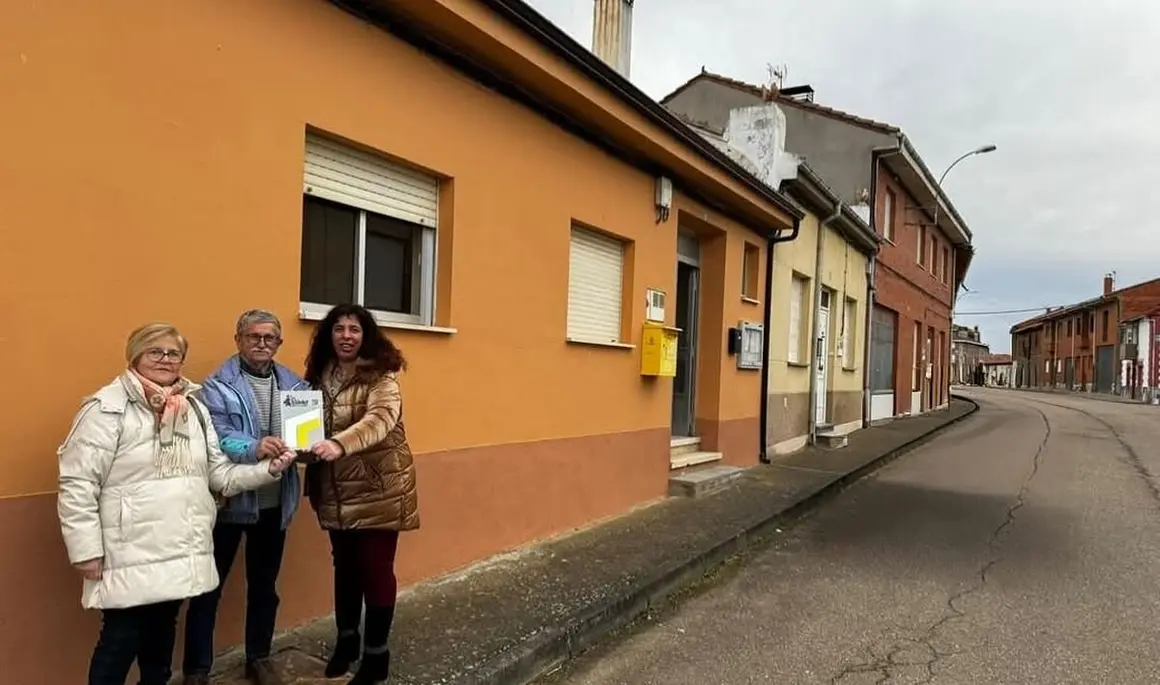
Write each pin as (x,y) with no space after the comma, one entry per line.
(346,652)
(348,607)
(376,662)
(374,669)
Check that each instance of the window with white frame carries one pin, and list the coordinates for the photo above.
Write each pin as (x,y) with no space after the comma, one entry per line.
(888,216)
(595,287)
(798,318)
(849,332)
(368,234)
(750,271)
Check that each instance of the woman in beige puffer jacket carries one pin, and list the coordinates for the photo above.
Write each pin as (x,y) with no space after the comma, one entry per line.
(363,485)
(136,508)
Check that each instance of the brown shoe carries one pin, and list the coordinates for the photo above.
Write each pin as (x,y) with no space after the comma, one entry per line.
(195,680)
(262,672)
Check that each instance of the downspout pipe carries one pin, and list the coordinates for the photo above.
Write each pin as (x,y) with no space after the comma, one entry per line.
(767,328)
(818,356)
(871,292)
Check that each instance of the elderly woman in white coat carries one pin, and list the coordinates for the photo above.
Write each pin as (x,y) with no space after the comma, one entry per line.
(137,476)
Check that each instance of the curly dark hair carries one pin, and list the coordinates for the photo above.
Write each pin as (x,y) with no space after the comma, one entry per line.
(376,347)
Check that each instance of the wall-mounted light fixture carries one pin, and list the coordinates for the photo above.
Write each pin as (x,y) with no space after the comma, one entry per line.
(664,198)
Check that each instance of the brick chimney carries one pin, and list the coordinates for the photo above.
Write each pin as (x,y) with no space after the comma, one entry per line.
(1109,283)
(612,33)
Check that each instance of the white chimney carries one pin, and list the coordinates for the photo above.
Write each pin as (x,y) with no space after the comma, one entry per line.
(612,33)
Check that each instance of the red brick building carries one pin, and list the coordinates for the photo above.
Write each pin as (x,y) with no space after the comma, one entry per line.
(1076,347)
(927,246)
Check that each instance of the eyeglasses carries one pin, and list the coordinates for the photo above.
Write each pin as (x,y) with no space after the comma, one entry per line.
(156,354)
(267,340)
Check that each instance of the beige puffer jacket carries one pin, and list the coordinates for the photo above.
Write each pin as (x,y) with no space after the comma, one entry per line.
(155,534)
(372,485)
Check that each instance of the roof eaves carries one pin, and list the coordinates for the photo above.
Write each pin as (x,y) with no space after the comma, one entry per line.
(769,94)
(906,151)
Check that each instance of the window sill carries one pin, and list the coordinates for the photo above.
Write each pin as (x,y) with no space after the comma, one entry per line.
(600,343)
(311,313)
(749,300)
(850,369)
(800,365)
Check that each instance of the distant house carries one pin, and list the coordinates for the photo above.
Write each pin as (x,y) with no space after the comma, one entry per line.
(926,246)
(1139,354)
(997,370)
(1076,347)
(967,350)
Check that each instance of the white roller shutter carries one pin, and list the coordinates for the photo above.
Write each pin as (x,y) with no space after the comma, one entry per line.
(595,284)
(358,179)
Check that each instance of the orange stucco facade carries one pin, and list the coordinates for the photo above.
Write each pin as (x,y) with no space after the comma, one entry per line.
(153,170)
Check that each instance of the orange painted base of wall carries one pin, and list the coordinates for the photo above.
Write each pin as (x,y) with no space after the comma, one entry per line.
(737,440)
(474,503)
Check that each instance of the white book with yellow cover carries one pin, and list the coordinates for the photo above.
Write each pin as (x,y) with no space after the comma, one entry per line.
(301,418)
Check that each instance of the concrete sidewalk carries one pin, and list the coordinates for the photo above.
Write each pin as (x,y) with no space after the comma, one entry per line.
(509,620)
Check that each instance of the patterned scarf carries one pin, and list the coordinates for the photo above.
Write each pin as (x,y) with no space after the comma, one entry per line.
(171,412)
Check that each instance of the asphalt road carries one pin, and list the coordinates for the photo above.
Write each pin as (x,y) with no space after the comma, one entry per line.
(1021,546)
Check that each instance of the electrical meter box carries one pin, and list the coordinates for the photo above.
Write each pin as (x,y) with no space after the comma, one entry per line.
(658,350)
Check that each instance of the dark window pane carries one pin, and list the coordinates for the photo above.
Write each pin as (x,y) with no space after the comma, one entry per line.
(391,248)
(328,248)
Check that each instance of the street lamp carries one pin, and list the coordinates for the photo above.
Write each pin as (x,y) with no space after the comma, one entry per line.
(977,151)
(981,150)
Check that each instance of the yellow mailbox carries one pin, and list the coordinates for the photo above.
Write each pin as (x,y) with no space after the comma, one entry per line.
(658,354)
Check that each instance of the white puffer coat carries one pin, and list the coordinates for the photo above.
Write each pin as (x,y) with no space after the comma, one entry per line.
(154,534)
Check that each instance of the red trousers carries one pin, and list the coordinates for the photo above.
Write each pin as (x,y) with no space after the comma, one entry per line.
(364,568)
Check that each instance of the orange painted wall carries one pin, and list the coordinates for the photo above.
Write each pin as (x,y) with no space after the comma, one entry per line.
(156,149)
(180,143)
(151,169)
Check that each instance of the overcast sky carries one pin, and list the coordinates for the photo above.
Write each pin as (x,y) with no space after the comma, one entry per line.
(1068,91)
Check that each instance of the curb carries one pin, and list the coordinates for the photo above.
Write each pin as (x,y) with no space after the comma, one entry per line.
(1097,396)
(557,645)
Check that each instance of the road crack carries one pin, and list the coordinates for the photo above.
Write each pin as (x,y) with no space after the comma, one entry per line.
(1133,458)
(922,646)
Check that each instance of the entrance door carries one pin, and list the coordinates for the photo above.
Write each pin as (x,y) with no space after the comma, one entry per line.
(821,352)
(684,384)
(1105,368)
(883,332)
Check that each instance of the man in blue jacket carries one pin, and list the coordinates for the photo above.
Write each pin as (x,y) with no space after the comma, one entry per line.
(242,396)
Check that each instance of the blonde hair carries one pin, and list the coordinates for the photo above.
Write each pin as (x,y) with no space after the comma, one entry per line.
(142,338)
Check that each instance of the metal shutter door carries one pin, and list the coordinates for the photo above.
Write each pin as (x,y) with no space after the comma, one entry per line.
(358,179)
(595,282)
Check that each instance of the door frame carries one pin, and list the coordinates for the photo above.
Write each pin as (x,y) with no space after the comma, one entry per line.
(689,254)
(822,357)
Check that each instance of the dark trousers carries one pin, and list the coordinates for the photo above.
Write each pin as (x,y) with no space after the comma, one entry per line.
(364,569)
(144,634)
(265,542)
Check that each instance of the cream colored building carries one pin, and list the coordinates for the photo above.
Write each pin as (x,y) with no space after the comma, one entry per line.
(817,347)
